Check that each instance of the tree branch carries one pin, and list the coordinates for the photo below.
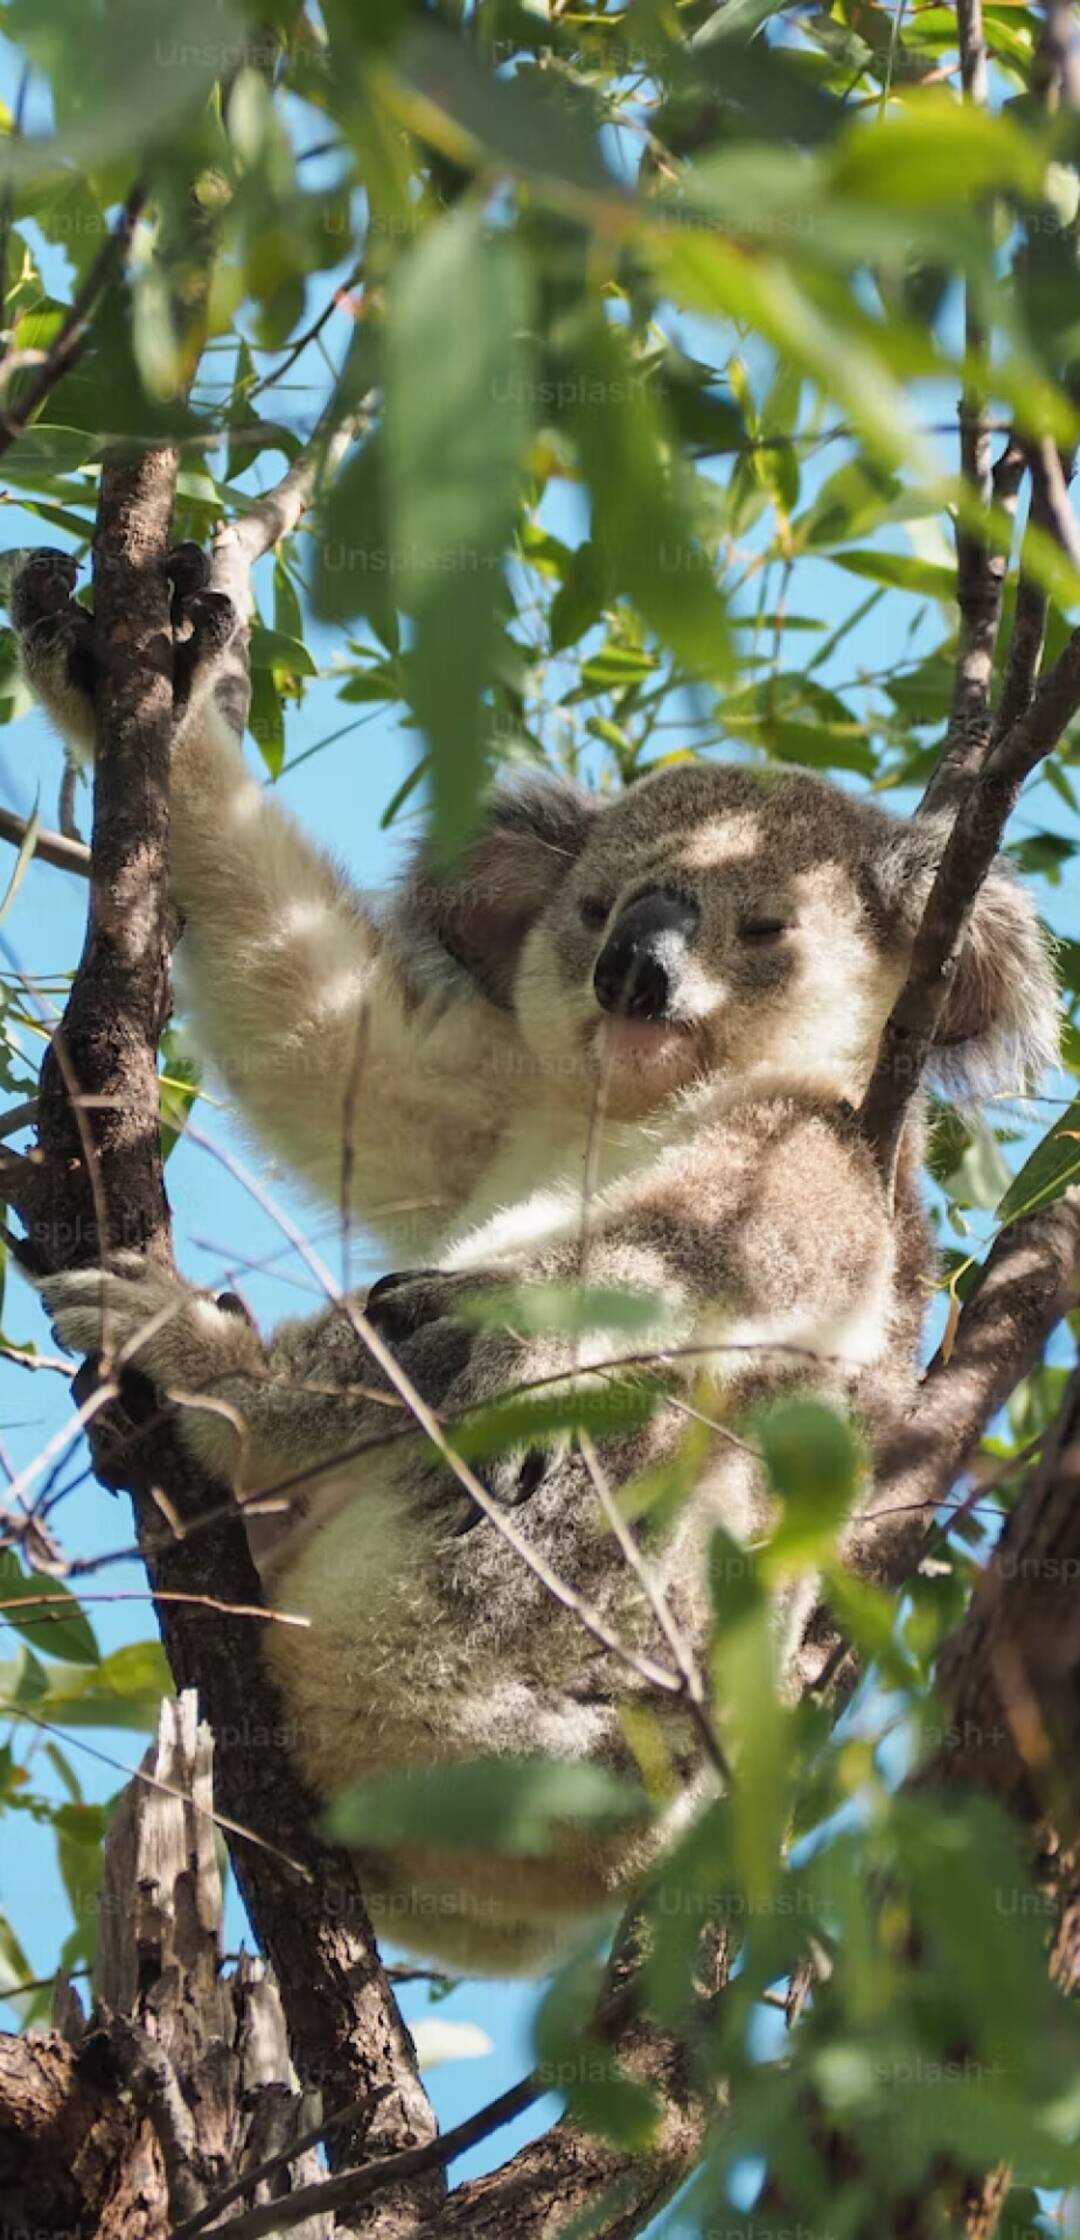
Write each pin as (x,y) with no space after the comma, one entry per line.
(346,2034)
(330,2195)
(1024,1288)
(52,847)
(969,851)
(980,571)
(1010,1675)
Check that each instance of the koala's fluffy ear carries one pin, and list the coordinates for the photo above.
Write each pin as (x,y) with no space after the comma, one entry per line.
(472,917)
(1001,1025)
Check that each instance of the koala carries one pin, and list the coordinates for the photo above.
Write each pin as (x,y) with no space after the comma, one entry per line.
(618,1044)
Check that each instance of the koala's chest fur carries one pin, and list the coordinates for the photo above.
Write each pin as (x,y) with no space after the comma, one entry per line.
(546,1163)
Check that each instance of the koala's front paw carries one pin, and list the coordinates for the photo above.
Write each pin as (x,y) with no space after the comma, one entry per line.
(56,638)
(146,1318)
(400,1304)
(41,583)
(205,622)
(122,1310)
(188,569)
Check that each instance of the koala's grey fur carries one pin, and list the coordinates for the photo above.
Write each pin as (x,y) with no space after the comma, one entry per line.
(461,1030)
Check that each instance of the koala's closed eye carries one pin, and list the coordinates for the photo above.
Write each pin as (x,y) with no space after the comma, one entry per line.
(764,929)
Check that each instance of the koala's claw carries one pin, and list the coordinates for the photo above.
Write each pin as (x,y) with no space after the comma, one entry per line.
(511,1480)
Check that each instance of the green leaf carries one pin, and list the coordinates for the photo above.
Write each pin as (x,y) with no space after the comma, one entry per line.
(736,20)
(849,504)
(45,1611)
(815,746)
(79,1829)
(124,1690)
(457,416)
(571,2059)
(266,720)
(643,521)
(935,151)
(705,272)
(121,73)
(612,669)
(812,1460)
(581,597)
(567,1308)
(288,613)
(758,1735)
(520,1807)
(1053,1165)
(902,571)
(15,1968)
(605,1409)
(980,1175)
(538,123)
(867,1616)
(42,451)
(285,655)
(178,1087)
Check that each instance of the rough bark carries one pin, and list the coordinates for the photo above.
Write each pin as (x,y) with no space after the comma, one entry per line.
(97,2135)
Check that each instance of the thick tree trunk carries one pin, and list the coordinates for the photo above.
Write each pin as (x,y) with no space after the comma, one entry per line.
(97,1184)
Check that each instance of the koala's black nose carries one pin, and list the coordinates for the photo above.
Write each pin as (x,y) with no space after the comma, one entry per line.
(639,962)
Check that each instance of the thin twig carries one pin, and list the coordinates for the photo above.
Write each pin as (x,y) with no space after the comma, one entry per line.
(296,1480)
(978,583)
(684,1659)
(311,334)
(260,2172)
(221,1820)
(136,1594)
(22,1358)
(239,544)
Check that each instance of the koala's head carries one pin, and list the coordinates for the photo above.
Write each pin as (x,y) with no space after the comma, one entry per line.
(717,919)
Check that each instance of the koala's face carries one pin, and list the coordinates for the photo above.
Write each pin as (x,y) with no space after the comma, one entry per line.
(717,921)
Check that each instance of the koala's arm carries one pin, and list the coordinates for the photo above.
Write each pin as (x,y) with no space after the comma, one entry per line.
(294,993)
